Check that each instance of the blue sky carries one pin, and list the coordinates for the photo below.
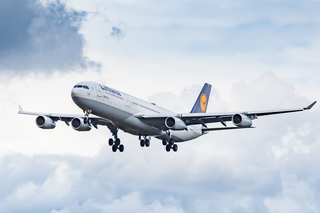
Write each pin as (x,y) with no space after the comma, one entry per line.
(256,54)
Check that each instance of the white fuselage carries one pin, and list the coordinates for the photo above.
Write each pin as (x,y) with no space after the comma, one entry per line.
(125,111)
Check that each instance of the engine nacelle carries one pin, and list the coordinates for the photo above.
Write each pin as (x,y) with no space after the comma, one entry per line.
(79,124)
(175,123)
(241,120)
(45,122)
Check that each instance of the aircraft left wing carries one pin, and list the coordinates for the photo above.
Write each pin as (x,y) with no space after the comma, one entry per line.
(204,118)
(200,118)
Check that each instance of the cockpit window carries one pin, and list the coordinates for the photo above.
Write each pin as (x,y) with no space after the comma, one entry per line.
(81,86)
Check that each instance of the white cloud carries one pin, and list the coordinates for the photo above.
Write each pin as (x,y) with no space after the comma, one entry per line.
(296,196)
(128,203)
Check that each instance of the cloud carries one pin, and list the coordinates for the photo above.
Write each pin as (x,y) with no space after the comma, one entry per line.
(297,196)
(278,94)
(38,37)
(129,203)
(116,32)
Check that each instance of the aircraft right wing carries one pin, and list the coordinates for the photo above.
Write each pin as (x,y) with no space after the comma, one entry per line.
(51,118)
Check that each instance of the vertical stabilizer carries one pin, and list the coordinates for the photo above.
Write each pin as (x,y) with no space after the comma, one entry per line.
(202,101)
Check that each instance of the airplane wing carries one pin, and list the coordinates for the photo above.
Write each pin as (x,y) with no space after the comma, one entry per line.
(200,118)
(204,118)
(94,120)
(224,128)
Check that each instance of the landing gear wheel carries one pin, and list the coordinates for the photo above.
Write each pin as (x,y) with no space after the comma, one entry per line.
(175,147)
(117,143)
(168,147)
(142,143)
(171,141)
(164,142)
(121,148)
(110,142)
(147,142)
(114,148)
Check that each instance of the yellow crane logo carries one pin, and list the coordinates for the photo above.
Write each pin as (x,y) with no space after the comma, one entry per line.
(203,102)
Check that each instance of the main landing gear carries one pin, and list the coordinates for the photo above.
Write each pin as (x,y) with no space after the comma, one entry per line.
(116,145)
(170,145)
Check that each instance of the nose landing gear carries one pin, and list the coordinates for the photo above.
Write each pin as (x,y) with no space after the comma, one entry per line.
(144,142)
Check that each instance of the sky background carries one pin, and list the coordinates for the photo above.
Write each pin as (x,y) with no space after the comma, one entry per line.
(256,54)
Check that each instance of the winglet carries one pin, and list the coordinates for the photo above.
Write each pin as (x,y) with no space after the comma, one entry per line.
(310,106)
(20,109)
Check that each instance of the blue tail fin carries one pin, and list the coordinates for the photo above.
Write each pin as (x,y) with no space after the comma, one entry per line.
(202,100)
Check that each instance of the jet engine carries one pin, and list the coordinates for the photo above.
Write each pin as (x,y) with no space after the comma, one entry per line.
(45,122)
(79,125)
(175,123)
(241,120)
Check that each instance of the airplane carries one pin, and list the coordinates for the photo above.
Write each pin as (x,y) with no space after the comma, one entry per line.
(109,107)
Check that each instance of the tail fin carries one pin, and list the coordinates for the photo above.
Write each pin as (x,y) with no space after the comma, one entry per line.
(202,100)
